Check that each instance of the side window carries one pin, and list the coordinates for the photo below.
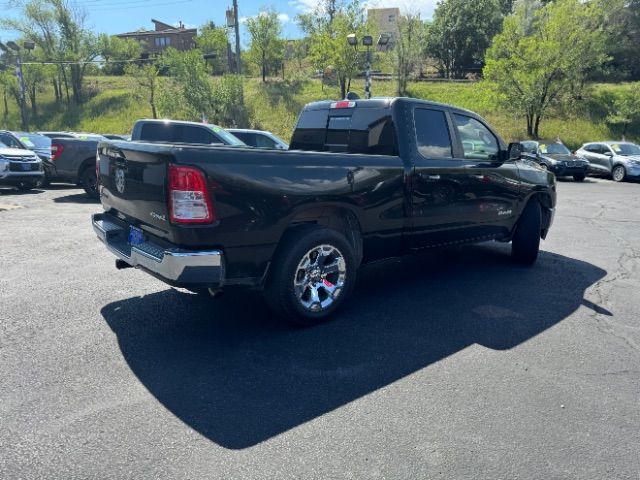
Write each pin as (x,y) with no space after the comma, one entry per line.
(156,132)
(246,137)
(432,133)
(478,142)
(527,147)
(197,135)
(604,149)
(9,141)
(262,141)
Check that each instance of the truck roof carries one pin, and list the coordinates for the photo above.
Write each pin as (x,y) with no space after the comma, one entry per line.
(385,102)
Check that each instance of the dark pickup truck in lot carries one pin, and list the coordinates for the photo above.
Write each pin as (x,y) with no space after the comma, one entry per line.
(74,161)
(365,180)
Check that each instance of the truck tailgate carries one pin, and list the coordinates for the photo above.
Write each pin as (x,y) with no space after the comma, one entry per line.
(132,183)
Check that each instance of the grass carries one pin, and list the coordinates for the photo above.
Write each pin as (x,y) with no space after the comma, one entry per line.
(114,106)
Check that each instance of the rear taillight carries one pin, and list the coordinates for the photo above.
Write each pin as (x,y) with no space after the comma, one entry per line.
(189,198)
(56,151)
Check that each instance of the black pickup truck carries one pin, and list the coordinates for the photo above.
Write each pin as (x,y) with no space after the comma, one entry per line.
(364,180)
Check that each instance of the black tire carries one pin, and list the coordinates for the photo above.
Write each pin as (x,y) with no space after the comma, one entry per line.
(619,173)
(580,177)
(89,182)
(525,243)
(26,186)
(280,290)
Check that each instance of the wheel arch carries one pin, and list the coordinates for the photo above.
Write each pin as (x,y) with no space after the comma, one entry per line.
(86,163)
(340,218)
(546,203)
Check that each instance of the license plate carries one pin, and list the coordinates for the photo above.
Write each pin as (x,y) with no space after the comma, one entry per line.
(26,166)
(136,236)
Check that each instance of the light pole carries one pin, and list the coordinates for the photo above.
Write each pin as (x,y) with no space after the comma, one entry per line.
(27,45)
(367,41)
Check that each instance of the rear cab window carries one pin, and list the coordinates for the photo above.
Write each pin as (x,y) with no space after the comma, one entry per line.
(349,130)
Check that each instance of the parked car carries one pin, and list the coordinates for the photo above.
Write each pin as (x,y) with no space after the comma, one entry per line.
(80,136)
(175,131)
(376,181)
(20,168)
(259,138)
(552,155)
(57,134)
(618,160)
(39,144)
(74,161)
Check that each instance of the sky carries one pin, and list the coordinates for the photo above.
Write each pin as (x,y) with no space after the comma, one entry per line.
(119,16)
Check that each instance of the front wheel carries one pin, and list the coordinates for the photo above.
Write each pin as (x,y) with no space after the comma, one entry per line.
(525,244)
(580,177)
(619,173)
(313,272)
(89,182)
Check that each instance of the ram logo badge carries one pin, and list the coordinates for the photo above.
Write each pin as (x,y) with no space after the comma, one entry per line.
(120,180)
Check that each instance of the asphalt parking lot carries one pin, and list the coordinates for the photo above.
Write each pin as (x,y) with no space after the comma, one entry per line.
(454,364)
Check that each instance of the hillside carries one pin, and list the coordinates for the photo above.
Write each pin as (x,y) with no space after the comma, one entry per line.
(114,106)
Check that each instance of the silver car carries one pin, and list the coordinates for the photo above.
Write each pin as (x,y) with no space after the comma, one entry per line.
(618,160)
(259,138)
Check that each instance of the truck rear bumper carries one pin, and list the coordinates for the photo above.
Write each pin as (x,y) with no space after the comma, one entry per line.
(175,266)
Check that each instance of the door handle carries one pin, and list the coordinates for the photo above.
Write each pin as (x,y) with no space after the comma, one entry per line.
(433,177)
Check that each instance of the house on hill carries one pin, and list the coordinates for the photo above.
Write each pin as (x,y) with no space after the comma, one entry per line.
(163,36)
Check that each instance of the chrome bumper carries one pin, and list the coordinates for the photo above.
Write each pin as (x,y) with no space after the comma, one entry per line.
(175,266)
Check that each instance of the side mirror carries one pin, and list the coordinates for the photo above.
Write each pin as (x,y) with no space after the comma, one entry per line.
(514,152)
(608,154)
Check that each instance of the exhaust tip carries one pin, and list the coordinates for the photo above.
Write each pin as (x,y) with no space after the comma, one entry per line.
(121,264)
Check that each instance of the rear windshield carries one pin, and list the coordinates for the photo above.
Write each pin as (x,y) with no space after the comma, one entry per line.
(350,130)
(34,141)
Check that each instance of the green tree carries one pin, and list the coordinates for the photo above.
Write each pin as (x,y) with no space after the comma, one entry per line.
(58,27)
(119,51)
(625,109)
(214,40)
(543,60)
(327,28)
(408,49)
(147,76)
(267,47)
(460,34)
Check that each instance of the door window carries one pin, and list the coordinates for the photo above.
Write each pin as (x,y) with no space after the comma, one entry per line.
(247,137)
(478,142)
(9,141)
(262,141)
(432,133)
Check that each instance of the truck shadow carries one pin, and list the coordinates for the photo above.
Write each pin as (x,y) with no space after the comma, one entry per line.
(234,373)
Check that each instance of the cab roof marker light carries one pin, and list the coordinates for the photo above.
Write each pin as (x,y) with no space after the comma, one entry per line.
(343,104)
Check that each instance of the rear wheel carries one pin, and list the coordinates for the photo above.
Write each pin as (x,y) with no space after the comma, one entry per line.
(525,244)
(26,186)
(313,272)
(580,177)
(619,173)
(89,181)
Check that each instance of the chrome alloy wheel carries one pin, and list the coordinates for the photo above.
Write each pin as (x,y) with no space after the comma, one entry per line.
(320,277)
(618,173)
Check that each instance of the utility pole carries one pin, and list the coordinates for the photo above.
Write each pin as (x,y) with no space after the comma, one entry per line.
(237,31)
